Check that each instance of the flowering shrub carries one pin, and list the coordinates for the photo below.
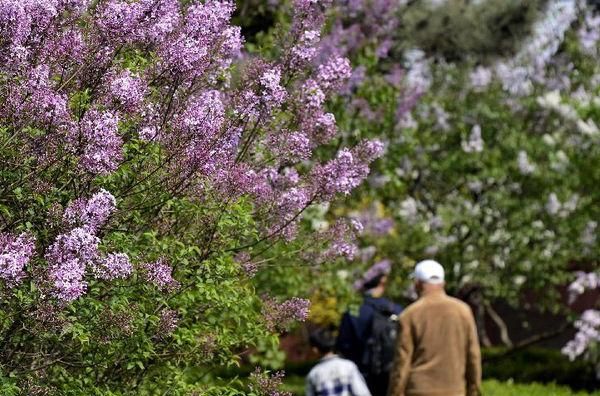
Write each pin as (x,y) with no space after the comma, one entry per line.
(142,153)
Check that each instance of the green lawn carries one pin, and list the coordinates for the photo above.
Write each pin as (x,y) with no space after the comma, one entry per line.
(295,384)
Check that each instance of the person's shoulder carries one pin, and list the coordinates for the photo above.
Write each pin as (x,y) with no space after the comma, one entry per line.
(459,304)
(345,364)
(340,363)
(410,310)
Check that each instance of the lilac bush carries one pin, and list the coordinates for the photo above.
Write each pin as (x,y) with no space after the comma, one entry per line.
(142,150)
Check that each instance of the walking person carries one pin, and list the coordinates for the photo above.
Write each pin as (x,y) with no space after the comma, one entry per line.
(333,376)
(437,349)
(368,338)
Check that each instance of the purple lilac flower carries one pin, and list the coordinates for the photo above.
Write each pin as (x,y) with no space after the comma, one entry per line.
(113,266)
(68,258)
(79,242)
(67,278)
(285,214)
(205,28)
(304,52)
(36,98)
(274,94)
(347,170)
(290,145)
(167,323)
(203,117)
(93,212)
(102,144)
(475,142)
(15,254)
(267,384)
(480,78)
(325,130)
(332,74)
(160,274)
(127,89)
(119,19)
(280,315)
(249,267)
(313,95)
(589,33)
(161,17)
(525,166)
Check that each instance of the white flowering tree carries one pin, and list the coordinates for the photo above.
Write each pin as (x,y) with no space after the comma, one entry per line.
(493,172)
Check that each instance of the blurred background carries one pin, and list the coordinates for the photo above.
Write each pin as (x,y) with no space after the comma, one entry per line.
(488,110)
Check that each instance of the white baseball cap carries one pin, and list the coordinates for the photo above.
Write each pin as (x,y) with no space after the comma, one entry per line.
(429,271)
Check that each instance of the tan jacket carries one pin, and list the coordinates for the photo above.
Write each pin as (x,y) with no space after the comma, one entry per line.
(437,351)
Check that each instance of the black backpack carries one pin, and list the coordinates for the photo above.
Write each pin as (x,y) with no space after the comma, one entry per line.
(378,355)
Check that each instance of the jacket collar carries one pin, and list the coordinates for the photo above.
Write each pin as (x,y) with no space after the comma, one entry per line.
(433,294)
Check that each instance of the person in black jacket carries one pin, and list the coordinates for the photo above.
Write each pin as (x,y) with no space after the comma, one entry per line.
(355,331)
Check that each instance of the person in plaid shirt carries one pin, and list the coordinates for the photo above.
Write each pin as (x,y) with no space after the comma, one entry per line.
(333,375)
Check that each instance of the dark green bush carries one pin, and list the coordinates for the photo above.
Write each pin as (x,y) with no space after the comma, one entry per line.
(460,29)
(539,365)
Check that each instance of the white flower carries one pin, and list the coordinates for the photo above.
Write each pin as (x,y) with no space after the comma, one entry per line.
(553,205)
(409,210)
(480,77)
(587,127)
(475,142)
(519,280)
(588,237)
(525,167)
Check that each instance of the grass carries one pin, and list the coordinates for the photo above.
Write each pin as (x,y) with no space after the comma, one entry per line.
(295,384)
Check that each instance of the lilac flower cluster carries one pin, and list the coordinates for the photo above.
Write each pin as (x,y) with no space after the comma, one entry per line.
(341,238)
(588,333)
(92,213)
(347,170)
(374,221)
(102,145)
(144,20)
(583,281)
(167,323)
(160,274)
(127,90)
(334,73)
(205,34)
(15,254)
(113,266)
(68,257)
(267,384)
(249,267)
(280,315)
(274,94)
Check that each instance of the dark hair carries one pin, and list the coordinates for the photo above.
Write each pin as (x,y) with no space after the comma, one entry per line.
(322,339)
(373,283)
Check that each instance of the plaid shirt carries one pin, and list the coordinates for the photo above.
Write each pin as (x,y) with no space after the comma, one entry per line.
(334,376)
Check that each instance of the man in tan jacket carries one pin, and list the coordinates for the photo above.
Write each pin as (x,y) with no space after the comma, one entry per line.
(437,349)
